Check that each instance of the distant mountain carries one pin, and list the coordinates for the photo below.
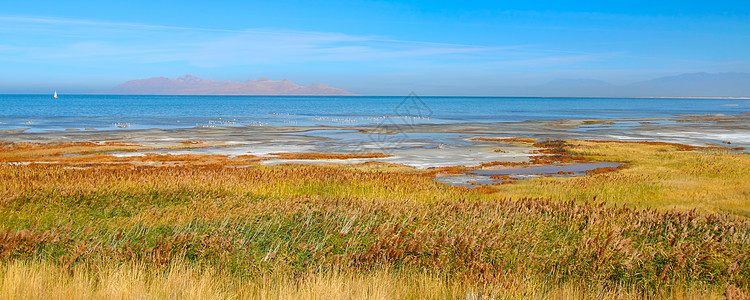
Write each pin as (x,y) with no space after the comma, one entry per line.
(191,85)
(694,85)
(684,85)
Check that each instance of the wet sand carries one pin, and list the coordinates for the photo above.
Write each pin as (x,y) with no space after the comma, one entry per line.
(420,145)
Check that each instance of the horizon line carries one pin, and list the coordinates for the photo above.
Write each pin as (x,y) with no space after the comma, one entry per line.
(365,96)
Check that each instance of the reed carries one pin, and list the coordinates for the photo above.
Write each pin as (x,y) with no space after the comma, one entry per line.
(655,175)
(34,280)
(371,231)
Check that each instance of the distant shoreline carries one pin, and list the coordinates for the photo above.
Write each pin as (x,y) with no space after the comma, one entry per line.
(367,96)
(739,98)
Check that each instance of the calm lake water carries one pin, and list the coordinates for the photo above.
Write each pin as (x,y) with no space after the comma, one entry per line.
(106,112)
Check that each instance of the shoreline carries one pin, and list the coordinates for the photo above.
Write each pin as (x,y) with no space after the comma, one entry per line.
(396,96)
(420,146)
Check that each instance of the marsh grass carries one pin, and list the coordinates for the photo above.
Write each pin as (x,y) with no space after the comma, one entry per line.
(660,175)
(34,280)
(368,231)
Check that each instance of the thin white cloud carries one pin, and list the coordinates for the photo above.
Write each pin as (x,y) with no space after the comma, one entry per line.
(44,20)
(87,41)
(303,34)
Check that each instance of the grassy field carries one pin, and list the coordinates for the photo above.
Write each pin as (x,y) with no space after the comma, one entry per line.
(656,175)
(672,224)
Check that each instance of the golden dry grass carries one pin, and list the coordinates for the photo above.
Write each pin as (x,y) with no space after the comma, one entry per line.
(660,175)
(33,280)
(203,227)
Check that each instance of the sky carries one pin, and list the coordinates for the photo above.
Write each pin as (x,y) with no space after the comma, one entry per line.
(367,47)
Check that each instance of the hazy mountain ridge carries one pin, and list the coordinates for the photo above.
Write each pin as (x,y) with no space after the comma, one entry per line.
(683,85)
(191,85)
(695,85)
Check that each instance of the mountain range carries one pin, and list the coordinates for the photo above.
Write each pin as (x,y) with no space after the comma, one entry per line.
(695,85)
(191,85)
(683,85)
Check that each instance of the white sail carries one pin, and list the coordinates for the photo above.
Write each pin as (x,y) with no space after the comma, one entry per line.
(55,94)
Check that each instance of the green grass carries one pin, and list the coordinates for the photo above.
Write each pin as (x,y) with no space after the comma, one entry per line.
(657,176)
(334,224)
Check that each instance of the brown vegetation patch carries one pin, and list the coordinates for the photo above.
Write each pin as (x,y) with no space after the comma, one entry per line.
(504,163)
(506,139)
(89,154)
(387,164)
(63,151)
(505,182)
(557,152)
(603,170)
(682,147)
(450,170)
(9,151)
(594,122)
(327,155)
(148,158)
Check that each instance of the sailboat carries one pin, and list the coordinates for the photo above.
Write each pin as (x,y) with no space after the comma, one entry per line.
(55,95)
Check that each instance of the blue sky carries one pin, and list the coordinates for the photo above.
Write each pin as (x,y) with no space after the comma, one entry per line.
(367,47)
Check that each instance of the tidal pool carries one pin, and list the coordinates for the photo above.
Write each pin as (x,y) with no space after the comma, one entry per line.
(480,177)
